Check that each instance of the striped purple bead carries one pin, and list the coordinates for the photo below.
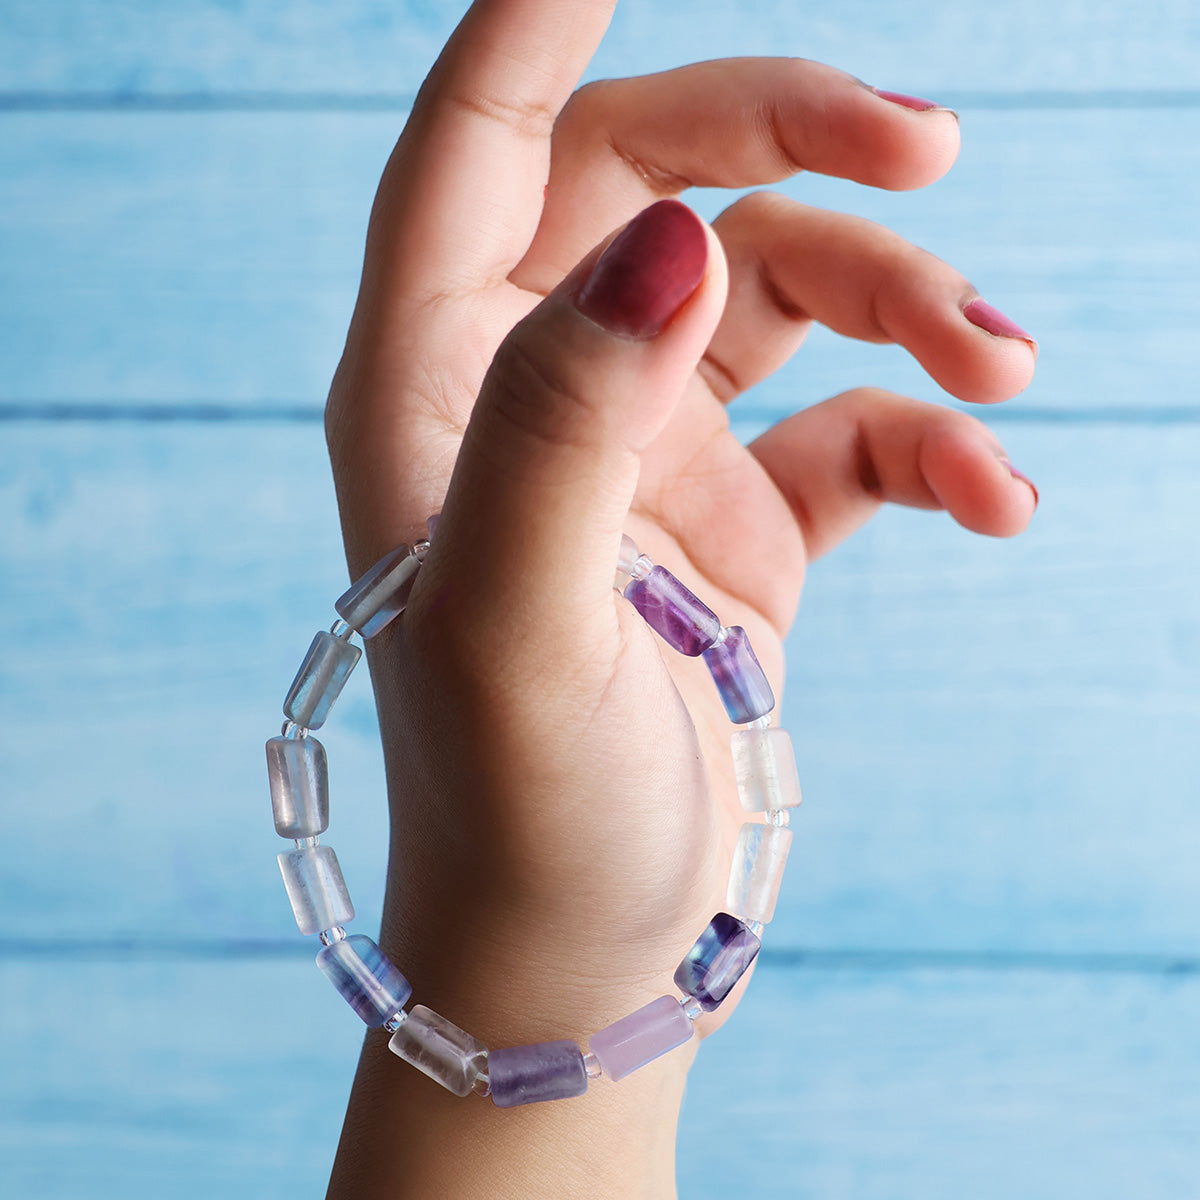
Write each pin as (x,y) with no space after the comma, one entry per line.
(740,680)
(679,618)
(529,1074)
(720,957)
(366,978)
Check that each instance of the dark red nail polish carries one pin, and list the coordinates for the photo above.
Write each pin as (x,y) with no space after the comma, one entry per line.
(648,272)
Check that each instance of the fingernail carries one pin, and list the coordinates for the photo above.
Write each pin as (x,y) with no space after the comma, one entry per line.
(979,312)
(648,272)
(913,102)
(1022,477)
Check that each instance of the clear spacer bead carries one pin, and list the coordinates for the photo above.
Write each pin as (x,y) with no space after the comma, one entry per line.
(395,1020)
(642,567)
(778,816)
(340,629)
(719,640)
(755,927)
(292,730)
(307,844)
(761,722)
(482,1085)
(692,1008)
(592,1063)
(420,549)
(329,936)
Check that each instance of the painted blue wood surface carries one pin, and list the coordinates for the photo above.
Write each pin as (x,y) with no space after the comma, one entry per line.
(982,979)
(174,258)
(186,1079)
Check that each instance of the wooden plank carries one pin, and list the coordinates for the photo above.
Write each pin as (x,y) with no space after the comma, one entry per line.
(188,1078)
(173,258)
(997,740)
(135,47)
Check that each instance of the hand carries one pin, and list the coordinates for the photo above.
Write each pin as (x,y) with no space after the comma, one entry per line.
(562,801)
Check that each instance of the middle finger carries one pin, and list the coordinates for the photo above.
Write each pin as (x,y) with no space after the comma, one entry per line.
(619,145)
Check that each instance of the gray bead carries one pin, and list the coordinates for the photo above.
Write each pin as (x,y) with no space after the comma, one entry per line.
(299,776)
(377,597)
(320,680)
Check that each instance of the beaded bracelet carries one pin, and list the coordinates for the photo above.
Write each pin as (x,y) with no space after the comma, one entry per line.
(767,781)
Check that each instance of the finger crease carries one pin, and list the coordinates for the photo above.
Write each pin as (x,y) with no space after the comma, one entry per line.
(862,463)
(783,302)
(532,120)
(774,129)
(721,380)
(658,179)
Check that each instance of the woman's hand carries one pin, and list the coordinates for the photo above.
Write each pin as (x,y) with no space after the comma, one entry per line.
(562,802)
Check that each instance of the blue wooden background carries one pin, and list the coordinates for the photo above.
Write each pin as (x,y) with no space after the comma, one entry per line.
(984,979)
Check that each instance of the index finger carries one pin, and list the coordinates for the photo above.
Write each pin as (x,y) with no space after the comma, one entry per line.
(461,195)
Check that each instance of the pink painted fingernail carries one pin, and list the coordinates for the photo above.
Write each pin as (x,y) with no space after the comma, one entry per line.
(979,312)
(1022,477)
(913,102)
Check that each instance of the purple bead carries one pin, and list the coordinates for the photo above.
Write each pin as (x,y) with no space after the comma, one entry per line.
(673,612)
(544,1071)
(366,978)
(641,1037)
(716,962)
(741,682)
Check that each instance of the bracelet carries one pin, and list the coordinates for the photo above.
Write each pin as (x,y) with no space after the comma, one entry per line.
(767,782)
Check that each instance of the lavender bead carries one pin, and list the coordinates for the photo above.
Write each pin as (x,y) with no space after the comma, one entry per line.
(377,597)
(742,685)
(528,1074)
(716,962)
(673,612)
(320,680)
(366,978)
(641,1037)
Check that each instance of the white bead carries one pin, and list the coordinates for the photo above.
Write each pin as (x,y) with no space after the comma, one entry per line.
(765,767)
(316,888)
(757,871)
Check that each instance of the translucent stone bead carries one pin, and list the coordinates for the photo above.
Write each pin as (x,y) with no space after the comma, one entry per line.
(765,767)
(757,871)
(366,978)
(716,962)
(529,1074)
(679,618)
(641,1037)
(445,1053)
(627,556)
(740,681)
(320,680)
(377,597)
(299,775)
(316,888)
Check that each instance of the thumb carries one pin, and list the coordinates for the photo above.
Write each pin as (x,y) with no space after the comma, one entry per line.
(549,461)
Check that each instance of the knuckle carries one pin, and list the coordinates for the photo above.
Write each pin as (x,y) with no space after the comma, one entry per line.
(534,395)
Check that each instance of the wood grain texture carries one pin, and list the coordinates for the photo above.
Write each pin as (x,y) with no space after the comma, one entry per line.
(188,1079)
(996,739)
(135,47)
(169,258)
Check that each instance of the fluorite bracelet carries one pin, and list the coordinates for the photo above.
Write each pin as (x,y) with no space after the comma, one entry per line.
(767,782)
